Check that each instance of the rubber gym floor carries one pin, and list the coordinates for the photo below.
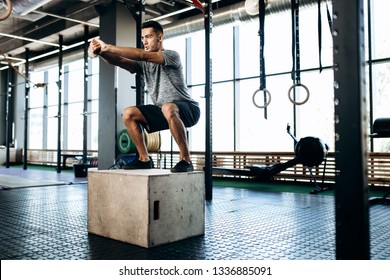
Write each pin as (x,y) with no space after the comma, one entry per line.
(243,221)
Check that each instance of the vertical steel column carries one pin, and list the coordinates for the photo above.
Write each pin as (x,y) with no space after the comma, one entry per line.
(188,75)
(59,115)
(236,85)
(139,79)
(65,109)
(137,10)
(188,58)
(351,199)
(8,113)
(45,110)
(26,109)
(85,109)
(208,96)
(370,85)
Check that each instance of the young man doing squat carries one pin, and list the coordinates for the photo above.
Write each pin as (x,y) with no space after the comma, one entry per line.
(173,108)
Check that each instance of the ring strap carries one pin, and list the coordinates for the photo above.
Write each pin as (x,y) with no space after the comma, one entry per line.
(261,35)
(329,17)
(319,34)
(296,72)
(263,84)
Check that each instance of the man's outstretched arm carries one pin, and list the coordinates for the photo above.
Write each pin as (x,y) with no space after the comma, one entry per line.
(97,47)
(112,53)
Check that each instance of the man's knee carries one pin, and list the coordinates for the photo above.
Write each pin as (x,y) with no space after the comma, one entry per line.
(131,113)
(170,110)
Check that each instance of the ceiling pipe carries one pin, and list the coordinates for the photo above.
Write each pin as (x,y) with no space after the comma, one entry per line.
(229,14)
(53,52)
(173,14)
(23,7)
(66,18)
(29,39)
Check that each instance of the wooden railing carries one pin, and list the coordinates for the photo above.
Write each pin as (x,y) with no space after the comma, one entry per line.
(49,156)
(239,160)
(378,167)
(378,164)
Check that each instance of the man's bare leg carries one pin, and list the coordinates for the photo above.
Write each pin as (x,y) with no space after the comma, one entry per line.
(177,128)
(132,117)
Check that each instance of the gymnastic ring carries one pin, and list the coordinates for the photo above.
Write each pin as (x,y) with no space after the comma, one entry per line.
(267,103)
(8,11)
(295,102)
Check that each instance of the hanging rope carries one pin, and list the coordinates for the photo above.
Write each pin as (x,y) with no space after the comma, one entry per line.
(296,69)
(263,86)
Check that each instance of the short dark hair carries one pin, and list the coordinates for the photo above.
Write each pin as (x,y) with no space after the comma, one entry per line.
(154,24)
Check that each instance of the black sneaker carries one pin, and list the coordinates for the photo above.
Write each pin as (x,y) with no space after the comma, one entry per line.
(137,164)
(183,166)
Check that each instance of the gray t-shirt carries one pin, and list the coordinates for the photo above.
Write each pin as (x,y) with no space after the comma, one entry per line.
(165,83)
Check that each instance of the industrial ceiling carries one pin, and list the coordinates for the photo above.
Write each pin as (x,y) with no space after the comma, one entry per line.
(36,25)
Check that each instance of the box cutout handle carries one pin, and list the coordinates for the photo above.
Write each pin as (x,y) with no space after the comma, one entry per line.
(156,210)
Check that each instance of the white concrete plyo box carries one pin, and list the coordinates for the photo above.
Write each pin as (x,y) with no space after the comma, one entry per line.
(145,207)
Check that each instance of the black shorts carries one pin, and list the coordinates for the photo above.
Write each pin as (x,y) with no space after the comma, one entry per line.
(189,114)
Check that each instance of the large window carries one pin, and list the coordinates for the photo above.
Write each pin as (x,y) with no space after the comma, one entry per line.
(75,96)
(380,26)
(43,107)
(52,109)
(37,113)
(237,124)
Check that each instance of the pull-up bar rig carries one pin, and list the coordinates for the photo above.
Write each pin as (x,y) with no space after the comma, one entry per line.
(208,169)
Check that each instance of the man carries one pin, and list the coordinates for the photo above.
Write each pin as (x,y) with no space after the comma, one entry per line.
(173,108)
